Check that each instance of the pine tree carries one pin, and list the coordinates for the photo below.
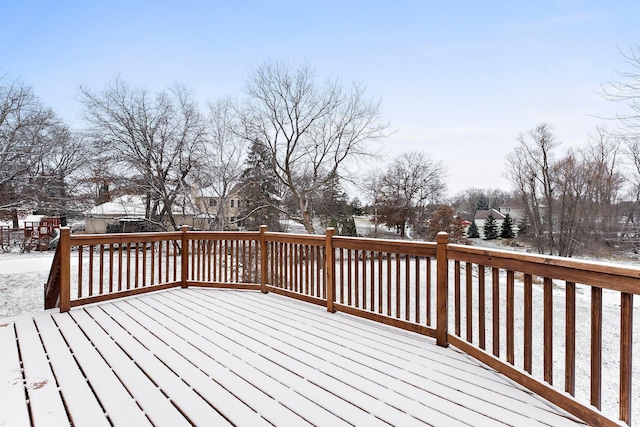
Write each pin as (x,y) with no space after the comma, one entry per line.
(507,228)
(259,192)
(349,228)
(473,232)
(330,204)
(490,228)
(523,226)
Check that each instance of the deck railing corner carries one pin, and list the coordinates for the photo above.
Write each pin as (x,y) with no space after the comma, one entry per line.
(330,269)
(65,269)
(442,303)
(184,255)
(264,259)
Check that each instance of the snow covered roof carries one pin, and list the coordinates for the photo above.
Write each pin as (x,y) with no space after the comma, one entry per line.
(120,206)
(129,206)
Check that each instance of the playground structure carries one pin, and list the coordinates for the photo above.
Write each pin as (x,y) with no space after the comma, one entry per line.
(38,234)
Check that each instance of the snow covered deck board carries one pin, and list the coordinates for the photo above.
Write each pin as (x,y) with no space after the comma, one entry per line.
(223,357)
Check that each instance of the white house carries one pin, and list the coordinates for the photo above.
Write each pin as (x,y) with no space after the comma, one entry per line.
(130,208)
(481,217)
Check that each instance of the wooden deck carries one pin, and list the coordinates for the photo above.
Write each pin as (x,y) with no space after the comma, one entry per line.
(210,357)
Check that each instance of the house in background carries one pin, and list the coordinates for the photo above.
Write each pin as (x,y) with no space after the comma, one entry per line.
(515,208)
(214,212)
(481,217)
(126,213)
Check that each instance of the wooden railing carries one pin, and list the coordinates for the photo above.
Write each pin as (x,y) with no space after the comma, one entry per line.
(505,316)
(497,306)
(52,286)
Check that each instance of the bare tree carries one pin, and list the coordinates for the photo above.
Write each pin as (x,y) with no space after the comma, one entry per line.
(58,185)
(529,169)
(571,202)
(222,163)
(411,184)
(310,130)
(27,132)
(372,186)
(626,89)
(154,140)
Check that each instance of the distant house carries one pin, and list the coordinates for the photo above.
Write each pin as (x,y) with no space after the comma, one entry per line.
(515,208)
(128,209)
(482,215)
(210,206)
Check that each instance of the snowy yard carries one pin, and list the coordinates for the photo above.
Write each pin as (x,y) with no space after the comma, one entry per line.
(22,278)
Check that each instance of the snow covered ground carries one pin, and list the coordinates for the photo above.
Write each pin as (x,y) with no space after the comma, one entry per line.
(22,278)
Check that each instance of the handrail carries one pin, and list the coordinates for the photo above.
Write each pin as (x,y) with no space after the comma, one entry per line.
(411,285)
(607,276)
(52,285)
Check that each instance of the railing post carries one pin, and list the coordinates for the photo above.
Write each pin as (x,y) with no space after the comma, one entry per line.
(330,269)
(442,300)
(65,269)
(184,256)
(264,259)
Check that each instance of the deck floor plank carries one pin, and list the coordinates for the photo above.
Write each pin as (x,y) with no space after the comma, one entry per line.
(283,394)
(120,407)
(375,355)
(153,402)
(304,360)
(400,393)
(187,379)
(388,340)
(44,397)
(203,350)
(392,377)
(330,411)
(82,405)
(13,405)
(225,357)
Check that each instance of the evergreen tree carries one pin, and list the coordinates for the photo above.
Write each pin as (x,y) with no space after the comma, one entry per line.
(259,191)
(356,207)
(523,226)
(473,232)
(330,204)
(490,228)
(507,228)
(333,223)
(349,228)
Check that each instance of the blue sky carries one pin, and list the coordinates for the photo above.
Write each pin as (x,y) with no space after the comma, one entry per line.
(459,80)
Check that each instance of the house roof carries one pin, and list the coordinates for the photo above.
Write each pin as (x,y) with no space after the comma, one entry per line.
(513,204)
(130,206)
(484,214)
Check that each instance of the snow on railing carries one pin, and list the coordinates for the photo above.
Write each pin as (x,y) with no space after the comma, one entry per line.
(504,305)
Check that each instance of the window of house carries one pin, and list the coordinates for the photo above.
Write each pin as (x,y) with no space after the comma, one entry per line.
(231,202)
(213,202)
